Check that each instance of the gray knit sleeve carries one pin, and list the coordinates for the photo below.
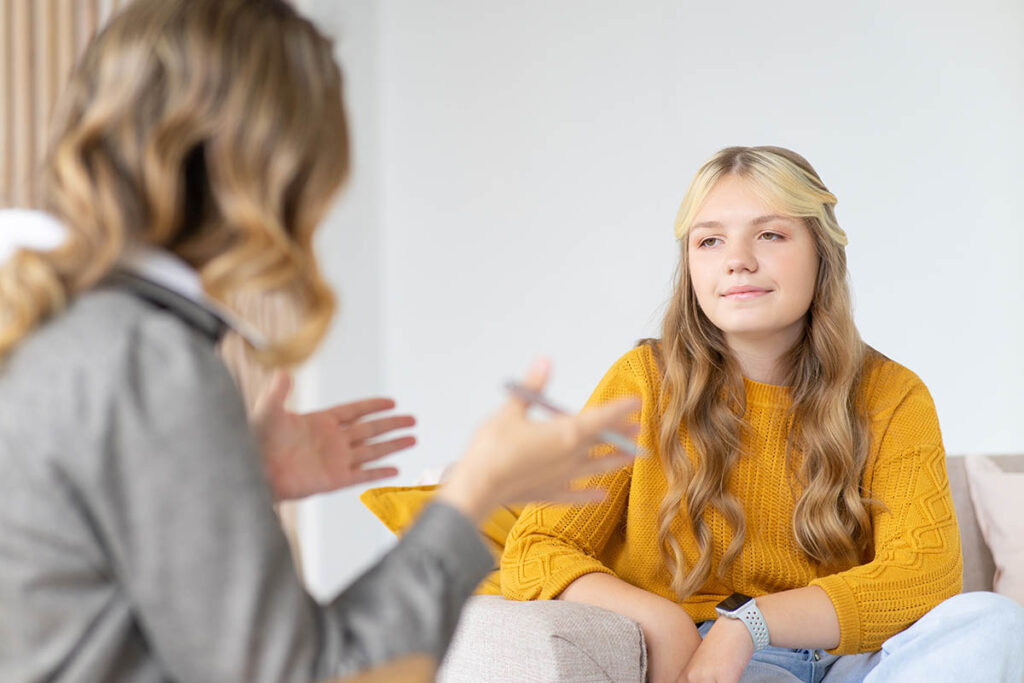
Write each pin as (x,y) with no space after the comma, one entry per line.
(184,514)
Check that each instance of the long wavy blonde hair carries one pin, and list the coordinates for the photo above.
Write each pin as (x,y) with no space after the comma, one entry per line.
(211,128)
(829,434)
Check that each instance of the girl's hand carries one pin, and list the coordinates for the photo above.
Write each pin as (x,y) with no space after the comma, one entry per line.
(326,450)
(722,657)
(512,459)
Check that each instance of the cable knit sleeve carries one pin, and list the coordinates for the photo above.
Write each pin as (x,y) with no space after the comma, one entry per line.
(917,558)
(551,546)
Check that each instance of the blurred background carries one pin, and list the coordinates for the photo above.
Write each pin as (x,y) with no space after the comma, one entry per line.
(517,168)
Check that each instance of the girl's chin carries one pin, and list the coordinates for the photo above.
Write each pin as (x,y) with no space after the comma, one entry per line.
(749,331)
(750,328)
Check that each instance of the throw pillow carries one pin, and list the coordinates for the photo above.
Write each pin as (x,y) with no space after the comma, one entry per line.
(998,499)
(399,506)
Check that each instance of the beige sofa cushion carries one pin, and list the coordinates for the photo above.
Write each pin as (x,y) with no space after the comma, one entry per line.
(979,567)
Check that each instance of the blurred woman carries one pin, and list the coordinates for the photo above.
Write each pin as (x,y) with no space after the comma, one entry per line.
(196,149)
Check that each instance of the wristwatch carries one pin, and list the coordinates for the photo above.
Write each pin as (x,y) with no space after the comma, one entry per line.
(744,608)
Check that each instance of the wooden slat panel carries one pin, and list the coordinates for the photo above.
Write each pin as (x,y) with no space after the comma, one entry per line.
(39,43)
(24,100)
(6,104)
(66,51)
(86,23)
(45,84)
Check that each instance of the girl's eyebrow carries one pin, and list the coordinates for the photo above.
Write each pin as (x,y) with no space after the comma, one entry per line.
(705,224)
(760,220)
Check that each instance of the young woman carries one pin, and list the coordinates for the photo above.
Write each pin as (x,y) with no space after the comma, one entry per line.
(797,513)
(197,147)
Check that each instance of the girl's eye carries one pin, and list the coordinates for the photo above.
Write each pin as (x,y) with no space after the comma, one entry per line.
(772,236)
(707,242)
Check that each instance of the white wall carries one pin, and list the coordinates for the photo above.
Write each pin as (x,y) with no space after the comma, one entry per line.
(521,164)
(339,536)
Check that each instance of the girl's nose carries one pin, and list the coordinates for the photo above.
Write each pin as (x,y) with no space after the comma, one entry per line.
(740,257)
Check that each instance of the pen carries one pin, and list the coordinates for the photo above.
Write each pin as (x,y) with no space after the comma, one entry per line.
(538,399)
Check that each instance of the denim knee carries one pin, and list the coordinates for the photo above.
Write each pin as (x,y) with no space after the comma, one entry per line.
(971,636)
(982,603)
(995,614)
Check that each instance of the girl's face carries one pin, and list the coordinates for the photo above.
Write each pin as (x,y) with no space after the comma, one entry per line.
(753,271)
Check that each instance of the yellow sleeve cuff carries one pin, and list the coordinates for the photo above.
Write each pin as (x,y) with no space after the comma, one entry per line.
(845,603)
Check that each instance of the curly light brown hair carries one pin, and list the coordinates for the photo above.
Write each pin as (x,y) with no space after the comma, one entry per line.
(214,129)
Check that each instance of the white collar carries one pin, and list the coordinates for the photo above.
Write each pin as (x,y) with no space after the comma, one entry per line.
(25,229)
(22,228)
(167,270)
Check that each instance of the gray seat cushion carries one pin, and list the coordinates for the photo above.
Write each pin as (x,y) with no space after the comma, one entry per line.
(541,641)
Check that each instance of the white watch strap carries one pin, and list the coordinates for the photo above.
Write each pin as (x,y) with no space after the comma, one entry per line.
(750,615)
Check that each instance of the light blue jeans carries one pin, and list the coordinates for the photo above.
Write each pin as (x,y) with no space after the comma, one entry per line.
(969,637)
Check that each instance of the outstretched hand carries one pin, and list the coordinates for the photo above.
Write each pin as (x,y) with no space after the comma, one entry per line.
(513,459)
(324,450)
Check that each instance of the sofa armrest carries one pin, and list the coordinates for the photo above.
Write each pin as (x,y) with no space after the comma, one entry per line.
(544,640)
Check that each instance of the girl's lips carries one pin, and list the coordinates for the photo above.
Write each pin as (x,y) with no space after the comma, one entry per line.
(747,295)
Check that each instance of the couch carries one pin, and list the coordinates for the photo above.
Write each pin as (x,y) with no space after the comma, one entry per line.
(502,640)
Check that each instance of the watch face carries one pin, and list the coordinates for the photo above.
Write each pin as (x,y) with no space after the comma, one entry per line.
(734,602)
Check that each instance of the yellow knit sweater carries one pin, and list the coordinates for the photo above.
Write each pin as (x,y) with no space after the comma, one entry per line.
(916,541)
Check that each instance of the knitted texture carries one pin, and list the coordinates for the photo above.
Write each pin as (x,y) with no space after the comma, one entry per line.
(916,559)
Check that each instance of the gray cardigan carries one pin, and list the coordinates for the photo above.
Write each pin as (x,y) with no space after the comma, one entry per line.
(137,536)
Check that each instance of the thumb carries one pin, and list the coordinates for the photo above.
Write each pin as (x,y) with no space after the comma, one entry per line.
(535,380)
(276,393)
(538,373)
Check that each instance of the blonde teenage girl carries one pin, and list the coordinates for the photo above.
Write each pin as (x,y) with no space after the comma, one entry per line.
(796,522)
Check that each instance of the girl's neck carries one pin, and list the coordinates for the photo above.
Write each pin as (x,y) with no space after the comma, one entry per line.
(761,355)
